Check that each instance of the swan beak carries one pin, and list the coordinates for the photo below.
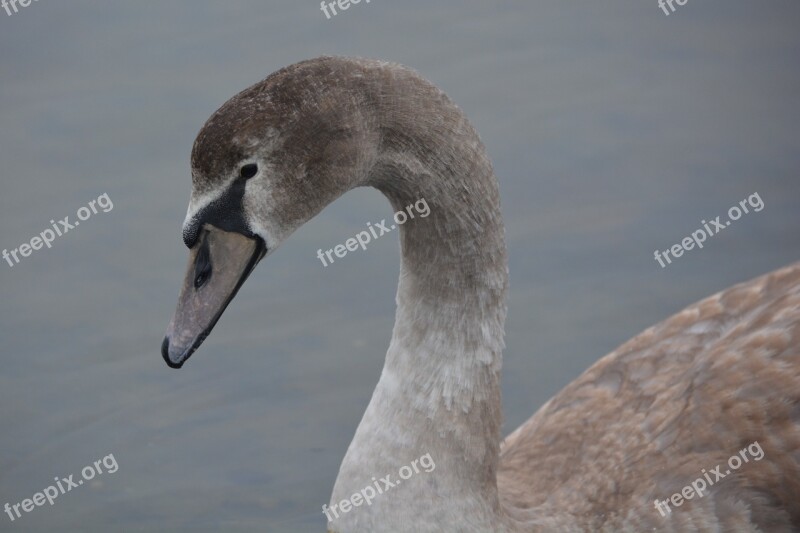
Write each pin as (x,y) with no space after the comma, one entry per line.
(219,264)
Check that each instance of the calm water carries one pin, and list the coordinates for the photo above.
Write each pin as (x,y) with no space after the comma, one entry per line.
(614,130)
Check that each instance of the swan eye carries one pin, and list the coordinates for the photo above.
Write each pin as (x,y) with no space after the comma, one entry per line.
(248,171)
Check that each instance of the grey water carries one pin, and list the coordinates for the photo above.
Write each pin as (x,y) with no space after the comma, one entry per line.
(614,130)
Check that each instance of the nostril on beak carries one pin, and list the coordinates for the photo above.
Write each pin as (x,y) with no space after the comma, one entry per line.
(202,276)
(202,266)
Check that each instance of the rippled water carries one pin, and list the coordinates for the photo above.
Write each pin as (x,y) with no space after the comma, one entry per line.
(614,130)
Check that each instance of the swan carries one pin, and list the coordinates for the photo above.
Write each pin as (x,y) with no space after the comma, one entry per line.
(665,409)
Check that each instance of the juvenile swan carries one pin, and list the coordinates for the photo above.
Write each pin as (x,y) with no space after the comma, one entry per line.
(612,452)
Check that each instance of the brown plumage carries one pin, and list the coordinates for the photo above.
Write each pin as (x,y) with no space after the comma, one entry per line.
(680,397)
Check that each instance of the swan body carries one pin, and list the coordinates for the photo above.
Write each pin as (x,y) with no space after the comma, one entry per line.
(638,426)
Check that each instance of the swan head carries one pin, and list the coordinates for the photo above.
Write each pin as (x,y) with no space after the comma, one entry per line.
(267,161)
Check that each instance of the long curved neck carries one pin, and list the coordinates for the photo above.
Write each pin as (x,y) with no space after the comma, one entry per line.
(439,393)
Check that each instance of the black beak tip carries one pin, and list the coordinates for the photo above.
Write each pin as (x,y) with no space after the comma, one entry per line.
(167,358)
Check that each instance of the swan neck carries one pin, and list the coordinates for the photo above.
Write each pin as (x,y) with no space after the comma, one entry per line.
(439,392)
